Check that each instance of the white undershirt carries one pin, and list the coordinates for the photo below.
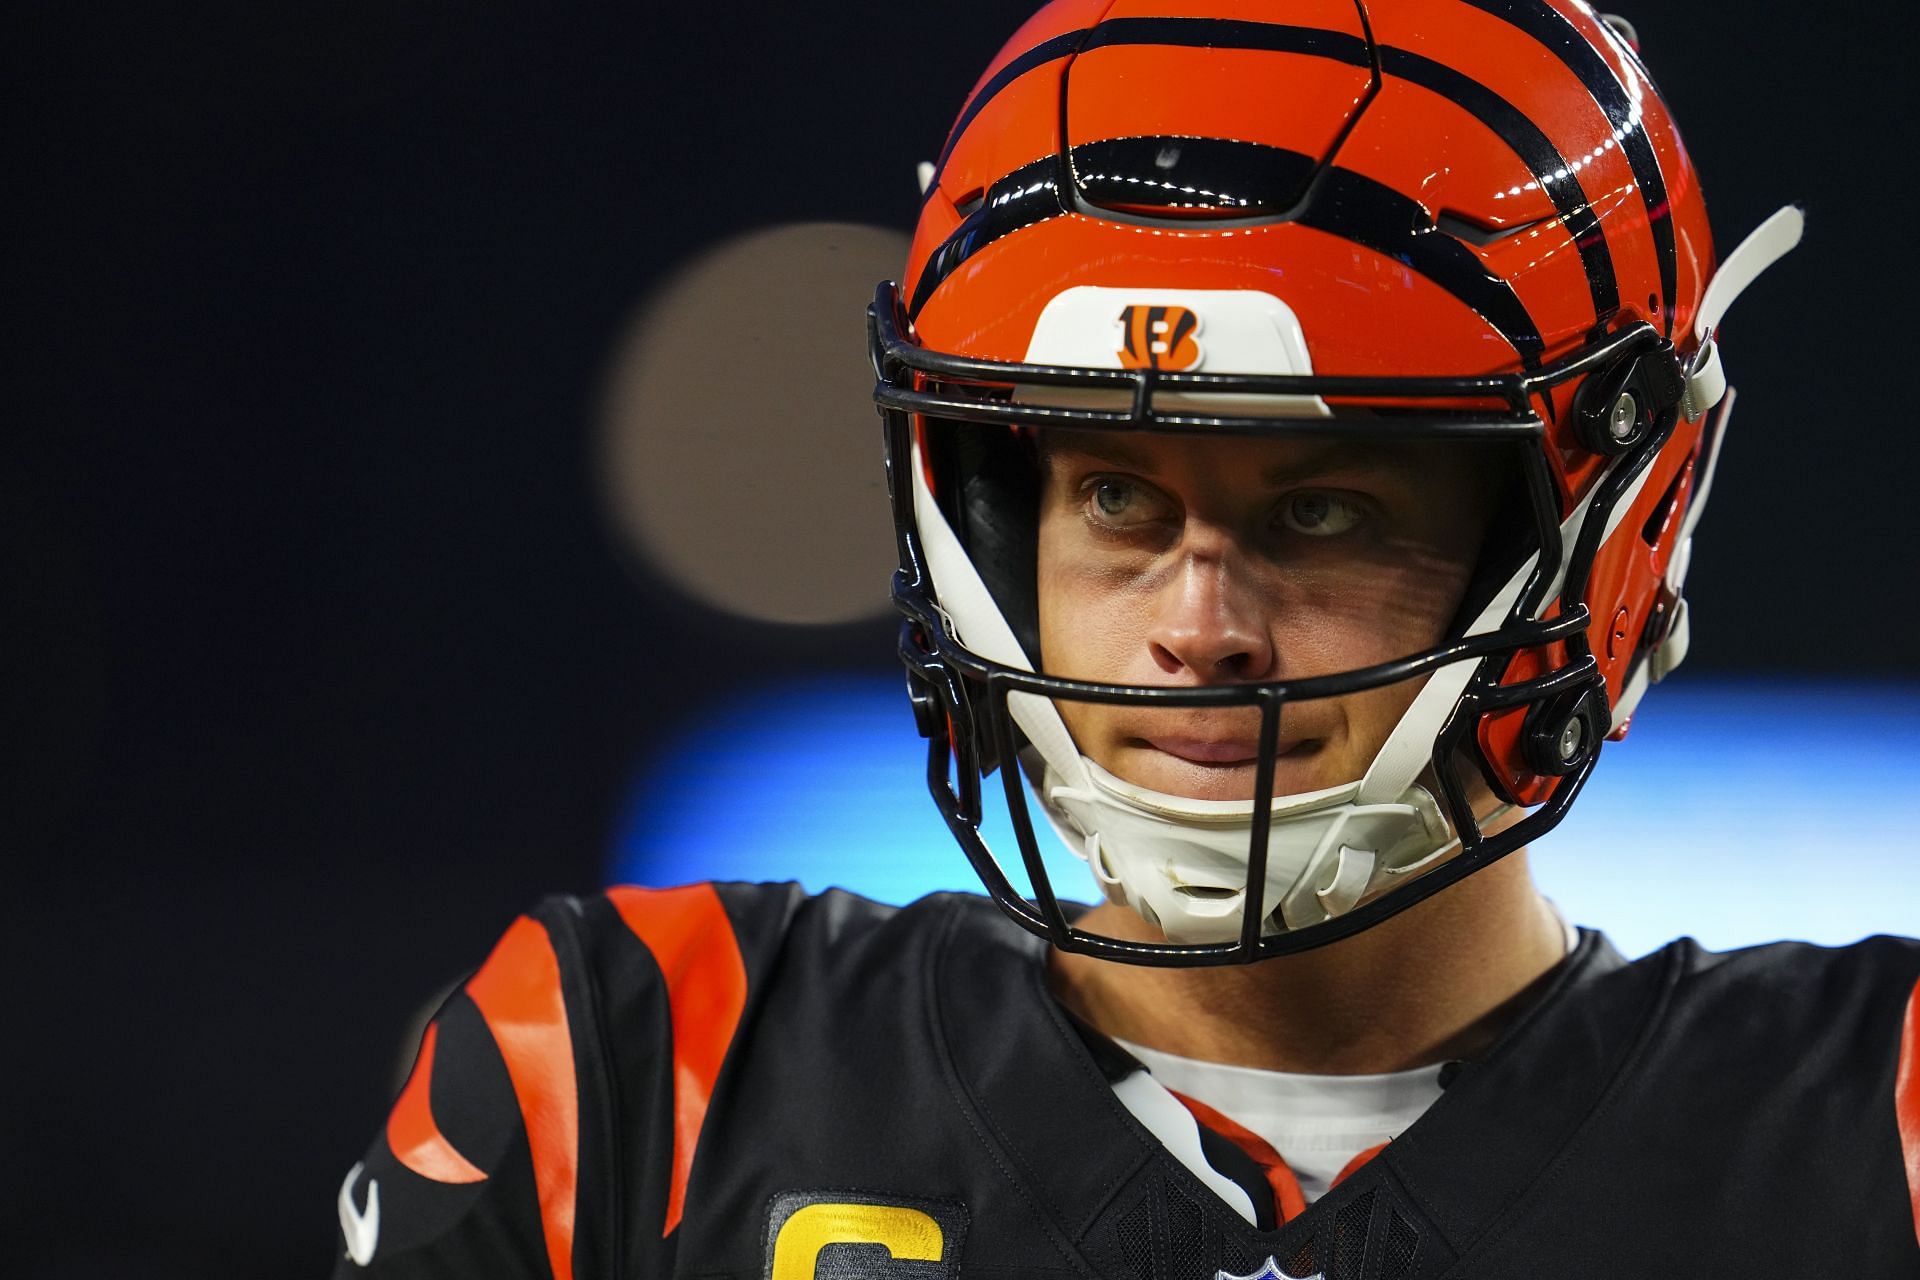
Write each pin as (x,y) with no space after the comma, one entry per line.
(1318,1124)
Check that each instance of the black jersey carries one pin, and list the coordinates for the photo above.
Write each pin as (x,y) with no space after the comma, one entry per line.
(743,1080)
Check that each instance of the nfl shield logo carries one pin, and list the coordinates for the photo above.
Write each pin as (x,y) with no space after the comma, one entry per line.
(1270,1270)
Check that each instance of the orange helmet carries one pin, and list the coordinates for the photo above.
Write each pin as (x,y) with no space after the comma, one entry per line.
(1391,219)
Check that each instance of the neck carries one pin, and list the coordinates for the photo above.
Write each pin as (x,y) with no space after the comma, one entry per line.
(1437,981)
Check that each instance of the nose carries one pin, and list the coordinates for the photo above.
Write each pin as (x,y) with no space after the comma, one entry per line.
(1208,618)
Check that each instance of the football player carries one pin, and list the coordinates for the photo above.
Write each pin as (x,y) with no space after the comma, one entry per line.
(1297,419)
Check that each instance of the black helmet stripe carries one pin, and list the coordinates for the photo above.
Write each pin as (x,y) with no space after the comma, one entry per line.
(1046,51)
(1235,33)
(1549,168)
(1244,174)
(1356,208)
(1028,195)
(1553,31)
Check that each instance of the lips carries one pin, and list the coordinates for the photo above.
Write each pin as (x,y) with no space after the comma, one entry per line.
(1206,767)
(1223,752)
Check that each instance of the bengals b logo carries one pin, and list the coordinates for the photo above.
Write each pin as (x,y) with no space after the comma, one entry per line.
(1159,338)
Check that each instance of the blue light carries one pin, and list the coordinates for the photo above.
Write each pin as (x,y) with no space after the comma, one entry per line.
(1746,812)
(1736,812)
(822,782)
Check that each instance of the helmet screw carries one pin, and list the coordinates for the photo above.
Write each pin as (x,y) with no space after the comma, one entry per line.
(1560,733)
(1625,412)
(1571,738)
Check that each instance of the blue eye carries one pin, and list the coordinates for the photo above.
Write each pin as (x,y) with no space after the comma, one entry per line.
(1319,514)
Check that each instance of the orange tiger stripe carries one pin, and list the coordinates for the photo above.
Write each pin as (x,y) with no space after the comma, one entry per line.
(1906,1100)
(1288,1200)
(518,993)
(692,941)
(412,1132)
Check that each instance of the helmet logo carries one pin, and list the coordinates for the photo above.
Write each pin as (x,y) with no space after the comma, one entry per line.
(1159,338)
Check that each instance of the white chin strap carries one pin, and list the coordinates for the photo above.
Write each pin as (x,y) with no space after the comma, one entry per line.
(1326,850)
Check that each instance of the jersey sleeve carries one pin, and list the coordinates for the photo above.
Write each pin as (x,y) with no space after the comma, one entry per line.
(549,1125)
(476,1167)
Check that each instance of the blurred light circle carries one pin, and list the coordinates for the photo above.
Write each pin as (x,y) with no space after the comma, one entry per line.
(741,451)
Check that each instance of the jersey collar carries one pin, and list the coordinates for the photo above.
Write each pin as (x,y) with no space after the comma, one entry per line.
(1043,1105)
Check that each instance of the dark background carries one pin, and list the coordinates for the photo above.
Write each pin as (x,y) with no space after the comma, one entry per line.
(320,661)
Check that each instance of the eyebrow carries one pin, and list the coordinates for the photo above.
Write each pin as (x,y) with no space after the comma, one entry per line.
(1315,460)
(1102,446)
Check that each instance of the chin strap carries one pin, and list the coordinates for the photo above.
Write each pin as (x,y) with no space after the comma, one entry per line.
(1706,389)
(1183,863)
(1769,242)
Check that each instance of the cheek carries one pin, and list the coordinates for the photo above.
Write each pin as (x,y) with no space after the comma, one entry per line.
(1398,607)
(1089,621)
(1093,626)
(1054,632)
(1400,603)
(1074,629)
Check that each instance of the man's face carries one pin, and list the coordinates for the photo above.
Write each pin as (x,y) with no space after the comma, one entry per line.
(1210,560)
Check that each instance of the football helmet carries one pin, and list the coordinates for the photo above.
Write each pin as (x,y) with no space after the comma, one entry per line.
(1463,221)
